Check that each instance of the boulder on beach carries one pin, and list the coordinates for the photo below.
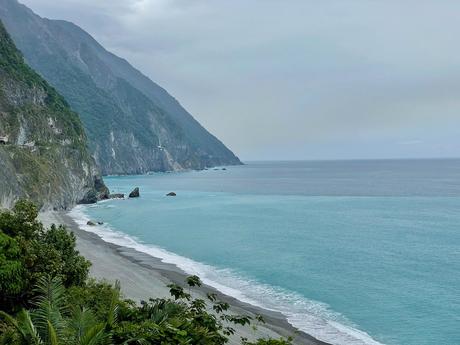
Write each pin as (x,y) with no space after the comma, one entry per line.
(134,193)
(171,194)
(90,222)
(117,196)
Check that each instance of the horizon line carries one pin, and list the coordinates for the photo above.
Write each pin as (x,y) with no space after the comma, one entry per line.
(350,159)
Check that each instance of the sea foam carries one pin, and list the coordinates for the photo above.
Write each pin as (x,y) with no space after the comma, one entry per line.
(312,317)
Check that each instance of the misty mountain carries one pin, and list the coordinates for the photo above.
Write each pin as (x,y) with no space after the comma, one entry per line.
(43,146)
(133,125)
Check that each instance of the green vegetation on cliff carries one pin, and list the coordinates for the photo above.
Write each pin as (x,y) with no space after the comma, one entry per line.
(133,125)
(12,65)
(45,157)
(46,298)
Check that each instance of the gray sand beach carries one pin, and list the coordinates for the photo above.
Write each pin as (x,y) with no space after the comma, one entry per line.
(143,276)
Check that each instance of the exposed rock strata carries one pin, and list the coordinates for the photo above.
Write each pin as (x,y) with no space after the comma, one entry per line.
(133,125)
(45,158)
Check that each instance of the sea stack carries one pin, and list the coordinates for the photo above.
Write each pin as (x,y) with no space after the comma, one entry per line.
(134,193)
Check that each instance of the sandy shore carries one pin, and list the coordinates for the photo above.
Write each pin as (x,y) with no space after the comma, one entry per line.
(143,276)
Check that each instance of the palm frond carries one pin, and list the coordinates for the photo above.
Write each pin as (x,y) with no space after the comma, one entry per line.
(160,311)
(112,316)
(24,327)
(49,304)
(96,335)
(53,339)
(139,341)
(81,320)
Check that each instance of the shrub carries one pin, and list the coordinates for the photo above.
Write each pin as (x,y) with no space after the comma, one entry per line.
(29,252)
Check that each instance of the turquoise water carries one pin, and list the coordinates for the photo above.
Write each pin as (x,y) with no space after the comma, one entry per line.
(357,252)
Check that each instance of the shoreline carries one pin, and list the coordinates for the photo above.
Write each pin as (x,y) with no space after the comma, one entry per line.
(143,276)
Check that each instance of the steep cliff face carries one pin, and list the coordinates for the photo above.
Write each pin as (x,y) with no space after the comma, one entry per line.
(133,125)
(43,153)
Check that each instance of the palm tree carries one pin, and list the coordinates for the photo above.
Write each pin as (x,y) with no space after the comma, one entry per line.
(49,307)
(24,331)
(46,325)
(84,330)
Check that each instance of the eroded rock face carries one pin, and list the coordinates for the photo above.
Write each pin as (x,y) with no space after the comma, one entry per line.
(100,187)
(134,126)
(134,193)
(89,198)
(34,163)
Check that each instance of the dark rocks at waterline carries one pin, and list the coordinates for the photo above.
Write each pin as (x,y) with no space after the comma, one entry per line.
(171,194)
(89,198)
(101,189)
(91,223)
(224,168)
(117,196)
(134,193)
(93,196)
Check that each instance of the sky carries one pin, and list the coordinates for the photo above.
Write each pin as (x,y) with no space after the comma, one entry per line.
(295,79)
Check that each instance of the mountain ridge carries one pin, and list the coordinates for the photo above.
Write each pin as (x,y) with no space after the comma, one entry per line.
(134,125)
(43,153)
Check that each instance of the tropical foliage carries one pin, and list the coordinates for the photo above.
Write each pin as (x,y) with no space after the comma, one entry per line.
(28,252)
(47,299)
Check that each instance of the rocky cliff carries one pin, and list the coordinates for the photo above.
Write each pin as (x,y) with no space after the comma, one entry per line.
(133,125)
(43,153)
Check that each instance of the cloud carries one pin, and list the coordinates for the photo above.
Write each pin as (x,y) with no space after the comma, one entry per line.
(296,78)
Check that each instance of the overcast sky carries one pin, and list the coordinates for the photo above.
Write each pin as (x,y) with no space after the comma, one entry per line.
(295,79)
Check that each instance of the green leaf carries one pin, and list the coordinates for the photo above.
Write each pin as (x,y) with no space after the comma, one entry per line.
(53,340)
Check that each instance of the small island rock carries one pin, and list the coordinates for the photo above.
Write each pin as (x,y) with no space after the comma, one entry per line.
(117,196)
(171,194)
(134,193)
(89,222)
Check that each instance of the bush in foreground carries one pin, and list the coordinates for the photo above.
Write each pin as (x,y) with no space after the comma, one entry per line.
(28,252)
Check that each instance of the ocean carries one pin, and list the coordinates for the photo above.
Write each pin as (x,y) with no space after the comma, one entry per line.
(352,252)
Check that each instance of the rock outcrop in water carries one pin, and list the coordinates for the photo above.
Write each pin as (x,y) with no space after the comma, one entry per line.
(133,125)
(117,196)
(134,193)
(45,156)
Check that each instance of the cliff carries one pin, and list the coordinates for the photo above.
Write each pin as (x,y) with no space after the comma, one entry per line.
(133,125)
(43,153)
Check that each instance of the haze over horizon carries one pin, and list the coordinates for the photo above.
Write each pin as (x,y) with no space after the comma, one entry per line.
(297,79)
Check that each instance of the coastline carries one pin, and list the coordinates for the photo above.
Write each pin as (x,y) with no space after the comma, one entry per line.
(143,276)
